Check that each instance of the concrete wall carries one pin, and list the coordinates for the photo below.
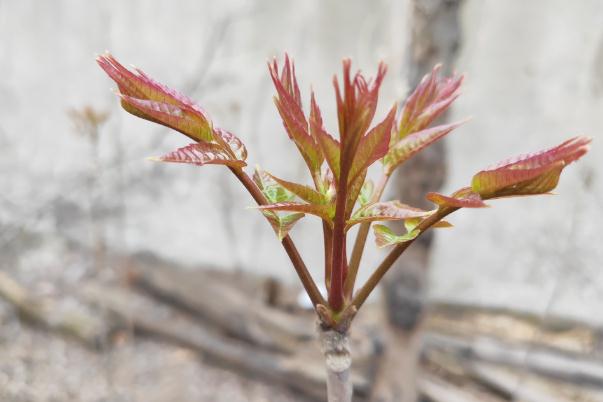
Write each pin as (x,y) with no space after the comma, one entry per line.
(535,76)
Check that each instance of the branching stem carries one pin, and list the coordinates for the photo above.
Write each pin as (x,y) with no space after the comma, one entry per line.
(296,259)
(389,260)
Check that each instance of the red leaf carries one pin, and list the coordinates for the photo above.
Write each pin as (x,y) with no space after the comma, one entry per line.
(202,154)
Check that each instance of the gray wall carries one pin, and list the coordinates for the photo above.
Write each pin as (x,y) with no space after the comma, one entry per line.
(534,77)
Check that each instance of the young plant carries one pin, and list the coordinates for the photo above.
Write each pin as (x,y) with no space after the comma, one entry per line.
(340,194)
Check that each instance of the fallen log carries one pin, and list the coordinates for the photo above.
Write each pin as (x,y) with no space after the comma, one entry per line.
(438,390)
(90,330)
(514,326)
(545,361)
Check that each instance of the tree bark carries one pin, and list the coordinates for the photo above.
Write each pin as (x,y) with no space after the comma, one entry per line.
(435,38)
(335,346)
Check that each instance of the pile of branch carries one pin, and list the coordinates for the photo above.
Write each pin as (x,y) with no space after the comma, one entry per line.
(236,321)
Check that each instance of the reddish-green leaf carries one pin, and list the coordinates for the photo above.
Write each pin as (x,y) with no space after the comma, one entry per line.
(353,192)
(304,192)
(148,99)
(407,147)
(463,198)
(386,211)
(324,212)
(535,173)
(202,154)
(231,142)
(384,236)
(330,150)
(373,146)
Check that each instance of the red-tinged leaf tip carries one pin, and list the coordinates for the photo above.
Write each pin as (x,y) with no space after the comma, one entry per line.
(529,174)
(429,100)
(463,198)
(288,103)
(202,154)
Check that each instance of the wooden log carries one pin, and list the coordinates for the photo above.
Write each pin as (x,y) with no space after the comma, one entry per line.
(218,302)
(88,329)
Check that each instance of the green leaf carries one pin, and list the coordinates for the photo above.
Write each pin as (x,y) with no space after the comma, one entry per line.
(283,223)
(272,190)
(366,192)
(411,223)
(385,237)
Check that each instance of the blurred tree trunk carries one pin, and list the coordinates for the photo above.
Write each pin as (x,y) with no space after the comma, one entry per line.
(435,38)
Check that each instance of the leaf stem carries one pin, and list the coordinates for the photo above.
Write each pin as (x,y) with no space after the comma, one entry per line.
(336,296)
(361,237)
(389,260)
(296,259)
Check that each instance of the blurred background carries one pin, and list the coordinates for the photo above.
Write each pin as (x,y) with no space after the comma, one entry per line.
(114,270)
